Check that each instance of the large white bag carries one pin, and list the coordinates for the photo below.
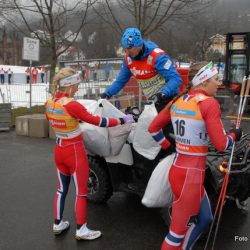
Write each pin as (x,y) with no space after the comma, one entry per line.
(143,142)
(158,192)
(96,139)
(104,141)
(118,134)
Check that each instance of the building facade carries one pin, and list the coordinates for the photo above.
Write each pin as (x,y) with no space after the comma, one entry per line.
(10,48)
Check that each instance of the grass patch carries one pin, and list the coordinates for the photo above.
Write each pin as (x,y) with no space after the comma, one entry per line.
(25,111)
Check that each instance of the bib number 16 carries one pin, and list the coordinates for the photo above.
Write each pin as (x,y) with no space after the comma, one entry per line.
(180,127)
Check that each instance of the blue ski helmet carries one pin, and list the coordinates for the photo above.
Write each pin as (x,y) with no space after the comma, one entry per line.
(131,38)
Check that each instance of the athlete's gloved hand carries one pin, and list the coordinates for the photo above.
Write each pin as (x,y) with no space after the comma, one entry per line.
(165,151)
(157,98)
(127,119)
(238,133)
(105,96)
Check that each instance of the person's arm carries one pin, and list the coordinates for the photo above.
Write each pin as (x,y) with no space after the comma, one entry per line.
(210,110)
(165,67)
(155,128)
(119,83)
(78,111)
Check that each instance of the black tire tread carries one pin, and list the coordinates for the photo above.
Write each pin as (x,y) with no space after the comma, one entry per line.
(98,166)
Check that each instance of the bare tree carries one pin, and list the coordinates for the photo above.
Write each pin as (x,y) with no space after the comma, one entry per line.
(147,15)
(203,27)
(47,20)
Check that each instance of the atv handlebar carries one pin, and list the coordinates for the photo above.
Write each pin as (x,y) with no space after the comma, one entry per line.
(244,162)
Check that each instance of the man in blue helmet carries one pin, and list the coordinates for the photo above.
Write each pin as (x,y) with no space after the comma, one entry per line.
(150,65)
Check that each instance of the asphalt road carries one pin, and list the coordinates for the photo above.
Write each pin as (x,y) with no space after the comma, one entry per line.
(27,187)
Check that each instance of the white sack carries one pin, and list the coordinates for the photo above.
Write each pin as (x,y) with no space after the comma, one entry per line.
(118,134)
(143,142)
(158,192)
(96,139)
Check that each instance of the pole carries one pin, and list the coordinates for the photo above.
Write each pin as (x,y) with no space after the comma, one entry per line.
(243,95)
(30,85)
(220,204)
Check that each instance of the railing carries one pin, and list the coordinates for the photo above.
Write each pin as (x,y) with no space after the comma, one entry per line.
(2,96)
(19,94)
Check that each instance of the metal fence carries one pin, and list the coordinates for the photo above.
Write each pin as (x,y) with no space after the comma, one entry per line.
(19,94)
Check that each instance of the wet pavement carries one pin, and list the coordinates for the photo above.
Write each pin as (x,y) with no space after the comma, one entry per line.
(27,187)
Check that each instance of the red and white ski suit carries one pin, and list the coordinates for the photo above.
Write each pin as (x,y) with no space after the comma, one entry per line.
(70,157)
(196,118)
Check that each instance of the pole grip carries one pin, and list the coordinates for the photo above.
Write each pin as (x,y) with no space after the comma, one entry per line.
(248,87)
(243,86)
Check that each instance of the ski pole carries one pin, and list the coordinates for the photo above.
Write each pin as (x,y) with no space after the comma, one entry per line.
(215,213)
(243,96)
(220,203)
(225,179)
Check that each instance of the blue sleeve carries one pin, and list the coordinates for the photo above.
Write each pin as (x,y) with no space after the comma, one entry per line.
(119,83)
(165,67)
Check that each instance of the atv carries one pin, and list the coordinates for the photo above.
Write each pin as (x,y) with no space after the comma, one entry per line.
(129,172)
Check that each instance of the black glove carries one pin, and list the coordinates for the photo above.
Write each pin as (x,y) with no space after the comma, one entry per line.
(105,96)
(165,152)
(158,97)
(160,100)
(237,132)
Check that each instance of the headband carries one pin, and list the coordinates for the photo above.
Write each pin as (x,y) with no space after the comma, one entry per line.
(70,80)
(204,74)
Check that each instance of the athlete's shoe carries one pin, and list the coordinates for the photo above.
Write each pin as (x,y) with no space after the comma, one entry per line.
(86,234)
(59,228)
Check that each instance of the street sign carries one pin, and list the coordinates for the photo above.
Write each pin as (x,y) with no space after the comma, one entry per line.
(31,49)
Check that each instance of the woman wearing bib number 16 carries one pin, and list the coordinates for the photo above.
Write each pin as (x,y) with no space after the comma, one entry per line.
(196,119)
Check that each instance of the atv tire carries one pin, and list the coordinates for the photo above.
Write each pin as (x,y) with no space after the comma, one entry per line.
(166,215)
(99,183)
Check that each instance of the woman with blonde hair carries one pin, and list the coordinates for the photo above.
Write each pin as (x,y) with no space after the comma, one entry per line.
(64,113)
(196,118)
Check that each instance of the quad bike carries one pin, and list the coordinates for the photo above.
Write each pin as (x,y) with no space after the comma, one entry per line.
(129,172)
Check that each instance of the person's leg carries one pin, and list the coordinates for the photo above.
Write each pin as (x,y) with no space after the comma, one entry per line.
(63,182)
(204,219)
(80,176)
(187,187)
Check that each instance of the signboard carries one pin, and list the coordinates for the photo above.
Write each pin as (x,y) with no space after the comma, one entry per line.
(31,49)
